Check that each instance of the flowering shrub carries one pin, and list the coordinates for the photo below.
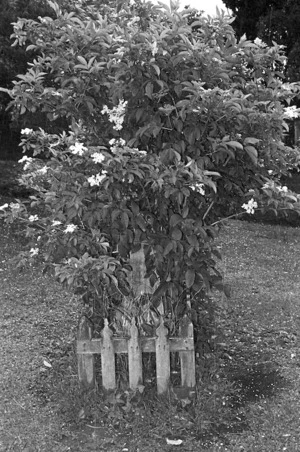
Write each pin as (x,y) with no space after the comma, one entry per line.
(172,124)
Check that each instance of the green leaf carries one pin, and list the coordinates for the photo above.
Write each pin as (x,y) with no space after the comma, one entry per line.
(192,239)
(149,90)
(185,211)
(252,152)
(83,60)
(168,248)
(189,278)
(91,61)
(175,219)
(160,291)
(138,114)
(235,144)
(156,68)
(251,140)
(176,234)
(141,223)
(135,208)
(125,219)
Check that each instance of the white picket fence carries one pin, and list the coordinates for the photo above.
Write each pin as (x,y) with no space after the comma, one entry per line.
(134,345)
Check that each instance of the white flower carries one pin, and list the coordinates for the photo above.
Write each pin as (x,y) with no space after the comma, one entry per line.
(284,188)
(77,148)
(250,206)
(98,157)
(291,112)
(26,131)
(42,170)
(56,223)
(114,149)
(267,185)
(116,144)
(25,159)
(259,42)
(119,142)
(154,48)
(33,218)
(33,252)
(270,171)
(116,114)
(14,206)
(4,206)
(42,19)
(70,228)
(199,188)
(98,179)
(26,166)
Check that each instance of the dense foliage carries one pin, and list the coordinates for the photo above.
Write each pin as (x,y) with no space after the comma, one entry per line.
(170,125)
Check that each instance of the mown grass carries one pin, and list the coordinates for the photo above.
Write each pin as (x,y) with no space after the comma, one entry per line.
(248,387)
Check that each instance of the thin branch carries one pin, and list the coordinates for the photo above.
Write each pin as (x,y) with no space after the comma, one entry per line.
(208,210)
(227,218)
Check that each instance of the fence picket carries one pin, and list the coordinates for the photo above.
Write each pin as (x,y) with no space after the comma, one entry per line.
(134,358)
(187,358)
(86,362)
(162,359)
(108,364)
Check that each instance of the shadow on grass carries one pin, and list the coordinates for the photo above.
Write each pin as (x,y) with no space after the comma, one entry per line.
(261,381)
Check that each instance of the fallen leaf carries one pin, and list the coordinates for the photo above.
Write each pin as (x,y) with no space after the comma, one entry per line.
(174,442)
(81,414)
(46,364)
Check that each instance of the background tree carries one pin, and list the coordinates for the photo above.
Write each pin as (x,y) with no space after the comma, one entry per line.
(13,61)
(271,20)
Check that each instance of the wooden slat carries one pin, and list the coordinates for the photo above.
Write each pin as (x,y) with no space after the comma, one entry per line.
(108,359)
(162,359)
(178,344)
(139,284)
(86,364)
(187,358)
(94,346)
(134,358)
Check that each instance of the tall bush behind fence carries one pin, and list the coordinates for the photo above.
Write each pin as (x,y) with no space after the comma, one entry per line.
(172,124)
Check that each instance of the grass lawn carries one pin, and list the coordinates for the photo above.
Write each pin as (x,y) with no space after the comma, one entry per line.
(248,395)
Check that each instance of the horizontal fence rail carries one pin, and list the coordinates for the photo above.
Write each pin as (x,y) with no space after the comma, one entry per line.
(134,345)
